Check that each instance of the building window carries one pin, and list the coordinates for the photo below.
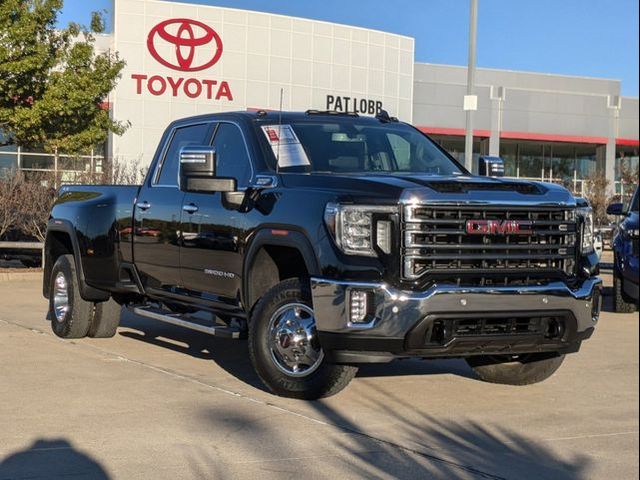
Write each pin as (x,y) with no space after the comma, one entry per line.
(454,145)
(626,158)
(626,169)
(565,163)
(586,163)
(531,160)
(509,153)
(8,159)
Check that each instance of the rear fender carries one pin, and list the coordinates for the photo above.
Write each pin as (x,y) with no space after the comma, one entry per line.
(87,292)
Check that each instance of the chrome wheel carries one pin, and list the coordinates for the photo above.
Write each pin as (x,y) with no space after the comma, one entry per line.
(293,340)
(60,297)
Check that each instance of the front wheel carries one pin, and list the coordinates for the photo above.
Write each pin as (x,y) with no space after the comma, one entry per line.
(619,298)
(515,370)
(284,347)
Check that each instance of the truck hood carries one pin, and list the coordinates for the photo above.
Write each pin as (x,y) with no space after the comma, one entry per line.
(467,189)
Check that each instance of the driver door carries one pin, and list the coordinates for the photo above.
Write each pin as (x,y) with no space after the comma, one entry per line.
(210,260)
(157,214)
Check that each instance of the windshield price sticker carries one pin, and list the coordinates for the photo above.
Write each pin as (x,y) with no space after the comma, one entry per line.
(286,146)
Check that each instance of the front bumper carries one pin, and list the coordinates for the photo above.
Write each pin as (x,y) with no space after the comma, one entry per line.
(402,323)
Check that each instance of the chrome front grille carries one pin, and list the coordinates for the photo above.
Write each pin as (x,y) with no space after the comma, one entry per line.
(437,247)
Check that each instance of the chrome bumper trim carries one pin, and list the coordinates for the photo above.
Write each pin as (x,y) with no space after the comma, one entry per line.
(396,311)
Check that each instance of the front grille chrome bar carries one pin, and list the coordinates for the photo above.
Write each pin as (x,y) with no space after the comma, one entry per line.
(437,246)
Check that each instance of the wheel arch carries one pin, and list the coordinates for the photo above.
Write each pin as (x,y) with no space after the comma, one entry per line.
(272,256)
(60,240)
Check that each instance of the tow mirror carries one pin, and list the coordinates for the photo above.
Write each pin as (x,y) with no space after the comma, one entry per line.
(198,171)
(615,209)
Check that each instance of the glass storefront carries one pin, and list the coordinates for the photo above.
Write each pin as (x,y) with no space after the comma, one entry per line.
(530,160)
(8,159)
(455,146)
(32,162)
(509,153)
(626,169)
(564,163)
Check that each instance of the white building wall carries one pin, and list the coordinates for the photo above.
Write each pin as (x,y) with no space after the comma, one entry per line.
(262,54)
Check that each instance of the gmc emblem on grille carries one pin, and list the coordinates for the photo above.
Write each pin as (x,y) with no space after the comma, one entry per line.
(499,227)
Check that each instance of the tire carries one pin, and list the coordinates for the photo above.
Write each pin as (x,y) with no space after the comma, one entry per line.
(619,298)
(292,299)
(70,315)
(106,319)
(524,370)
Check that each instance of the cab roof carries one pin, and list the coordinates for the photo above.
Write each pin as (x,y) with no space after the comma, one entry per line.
(270,116)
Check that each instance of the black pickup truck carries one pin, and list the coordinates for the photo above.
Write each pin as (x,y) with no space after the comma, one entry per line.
(330,240)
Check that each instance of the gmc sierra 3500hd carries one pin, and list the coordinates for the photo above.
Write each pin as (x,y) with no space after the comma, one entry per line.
(330,240)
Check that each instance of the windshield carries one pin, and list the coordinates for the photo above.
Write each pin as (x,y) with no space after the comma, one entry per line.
(351,147)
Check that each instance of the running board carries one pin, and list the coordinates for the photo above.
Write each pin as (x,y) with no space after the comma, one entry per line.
(177,319)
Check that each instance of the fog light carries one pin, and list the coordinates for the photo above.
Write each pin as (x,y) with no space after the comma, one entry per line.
(359,302)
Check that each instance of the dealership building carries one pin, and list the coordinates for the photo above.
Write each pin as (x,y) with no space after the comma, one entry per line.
(185,59)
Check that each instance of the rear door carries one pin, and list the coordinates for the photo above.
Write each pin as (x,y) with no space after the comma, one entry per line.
(210,261)
(158,209)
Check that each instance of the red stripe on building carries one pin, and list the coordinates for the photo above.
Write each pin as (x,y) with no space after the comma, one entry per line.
(628,142)
(540,137)
(551,137)
(453,131)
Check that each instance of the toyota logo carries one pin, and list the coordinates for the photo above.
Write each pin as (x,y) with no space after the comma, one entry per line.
(186,36)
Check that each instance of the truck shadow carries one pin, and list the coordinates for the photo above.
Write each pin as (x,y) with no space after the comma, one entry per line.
(233,355)
(51,458)
(414,445)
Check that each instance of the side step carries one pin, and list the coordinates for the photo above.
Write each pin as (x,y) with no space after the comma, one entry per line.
(184,321)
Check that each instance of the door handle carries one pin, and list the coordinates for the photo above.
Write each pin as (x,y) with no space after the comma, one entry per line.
(190,208)
(144,205)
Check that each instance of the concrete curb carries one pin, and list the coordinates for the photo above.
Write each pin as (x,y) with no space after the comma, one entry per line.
(20,276)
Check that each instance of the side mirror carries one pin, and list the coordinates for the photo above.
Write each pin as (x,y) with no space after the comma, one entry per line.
(491,166)
(198,171)
(615,209)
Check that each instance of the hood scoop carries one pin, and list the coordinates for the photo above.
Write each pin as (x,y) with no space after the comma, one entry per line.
(461,186)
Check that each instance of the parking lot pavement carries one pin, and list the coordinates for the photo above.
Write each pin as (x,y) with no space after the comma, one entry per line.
(157,401)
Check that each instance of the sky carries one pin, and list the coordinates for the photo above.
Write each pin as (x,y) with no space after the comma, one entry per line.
(593,38)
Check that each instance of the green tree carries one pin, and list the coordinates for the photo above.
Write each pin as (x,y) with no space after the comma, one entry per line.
(52,83)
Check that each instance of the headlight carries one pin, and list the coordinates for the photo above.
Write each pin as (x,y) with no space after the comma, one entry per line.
(586,243)
(358,228)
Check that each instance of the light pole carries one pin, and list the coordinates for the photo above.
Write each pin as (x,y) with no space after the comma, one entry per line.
(471,100)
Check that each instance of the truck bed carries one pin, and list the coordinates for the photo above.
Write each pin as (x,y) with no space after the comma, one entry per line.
(101,217)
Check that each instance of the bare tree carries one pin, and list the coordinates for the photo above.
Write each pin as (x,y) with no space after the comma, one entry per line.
(36,199)
(595,191)
(628,181)
(9,199)
(26,200)
(114,172)
(125,173)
